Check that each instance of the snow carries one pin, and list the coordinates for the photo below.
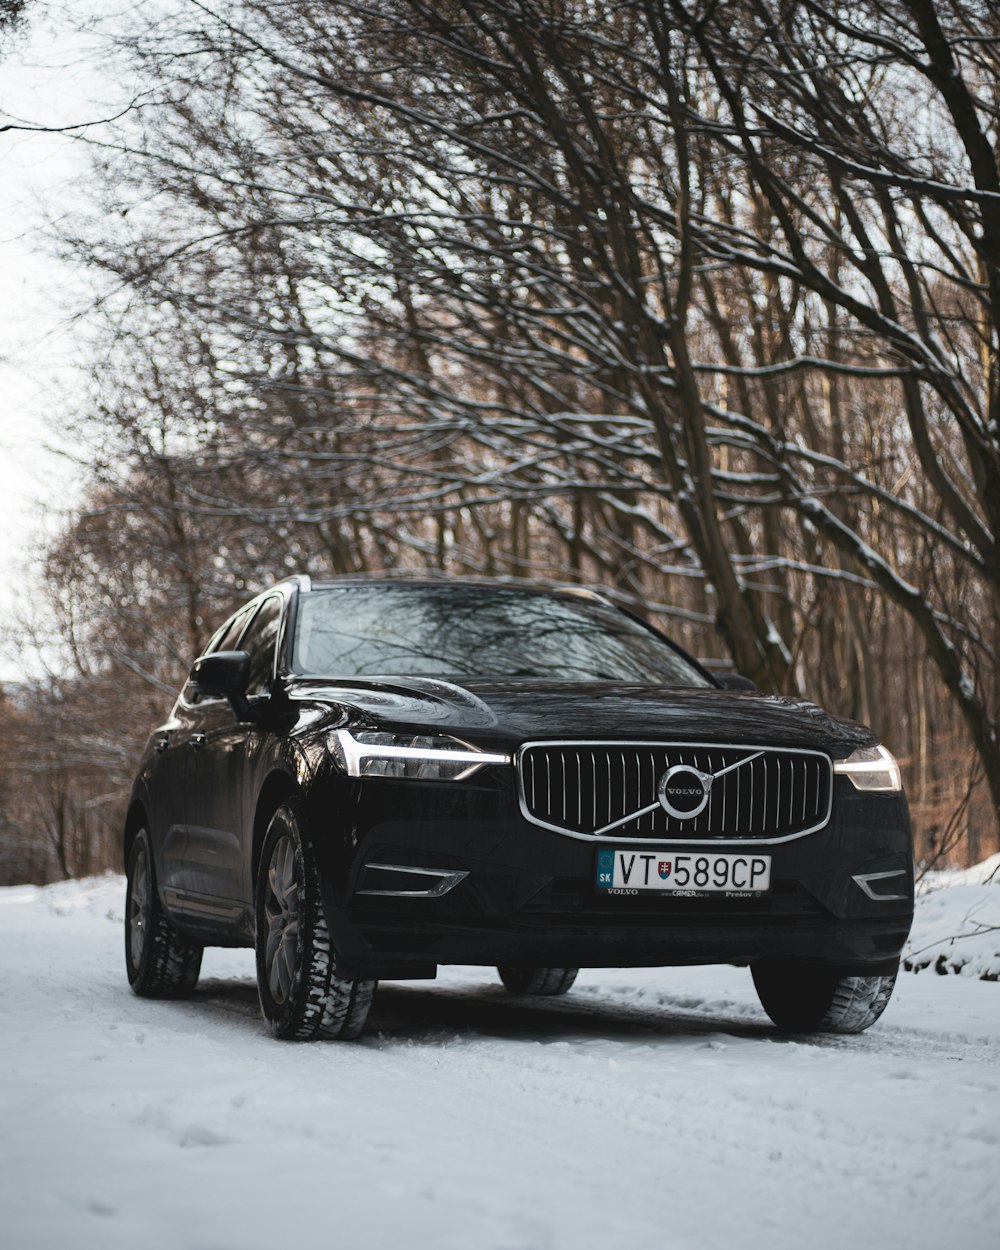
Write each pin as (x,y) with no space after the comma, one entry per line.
(957,923)
(652,1108)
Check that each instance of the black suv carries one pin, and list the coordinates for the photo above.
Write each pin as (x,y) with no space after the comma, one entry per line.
(368,778)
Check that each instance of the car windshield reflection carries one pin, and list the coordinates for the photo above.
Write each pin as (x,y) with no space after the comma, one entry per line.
(478,632)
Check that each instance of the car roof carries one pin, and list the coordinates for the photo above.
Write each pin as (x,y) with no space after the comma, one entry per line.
(307,584)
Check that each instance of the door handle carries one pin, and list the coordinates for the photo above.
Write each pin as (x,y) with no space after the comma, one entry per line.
(196,741)
(160,744)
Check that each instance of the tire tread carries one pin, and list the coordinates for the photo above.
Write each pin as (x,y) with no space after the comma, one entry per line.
(170,964)
(537,982)
(857,1003)
(327,1006)
(804,999)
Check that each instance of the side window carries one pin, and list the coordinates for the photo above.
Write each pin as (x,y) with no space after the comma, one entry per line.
(259,641)
(230,636)
(224,640)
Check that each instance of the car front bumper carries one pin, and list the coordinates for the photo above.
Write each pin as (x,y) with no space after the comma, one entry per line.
(500,890)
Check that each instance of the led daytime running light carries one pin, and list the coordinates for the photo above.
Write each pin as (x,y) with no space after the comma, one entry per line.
(871,769)
(412,756)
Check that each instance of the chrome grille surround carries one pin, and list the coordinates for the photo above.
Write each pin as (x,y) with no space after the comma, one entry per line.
(607,791)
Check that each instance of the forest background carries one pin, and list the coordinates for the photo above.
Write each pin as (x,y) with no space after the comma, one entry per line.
(696,303)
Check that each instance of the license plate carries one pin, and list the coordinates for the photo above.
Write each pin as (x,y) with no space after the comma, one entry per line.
(667,872)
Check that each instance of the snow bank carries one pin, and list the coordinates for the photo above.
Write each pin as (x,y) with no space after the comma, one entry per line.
(957,923)
(655,1109)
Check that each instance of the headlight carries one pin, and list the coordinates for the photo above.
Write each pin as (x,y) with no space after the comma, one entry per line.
(421,756)
(871,768)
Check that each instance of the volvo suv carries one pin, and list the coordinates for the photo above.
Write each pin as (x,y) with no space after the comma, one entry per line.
(368,779)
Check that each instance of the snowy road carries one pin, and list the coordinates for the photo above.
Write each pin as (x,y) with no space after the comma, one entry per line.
(646,1109)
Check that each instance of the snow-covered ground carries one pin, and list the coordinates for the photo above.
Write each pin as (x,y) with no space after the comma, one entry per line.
(957,923)
(652,1109)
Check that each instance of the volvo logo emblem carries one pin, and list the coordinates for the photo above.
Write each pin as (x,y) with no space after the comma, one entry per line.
(684,791)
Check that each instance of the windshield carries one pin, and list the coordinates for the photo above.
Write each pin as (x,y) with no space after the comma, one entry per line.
(457,632)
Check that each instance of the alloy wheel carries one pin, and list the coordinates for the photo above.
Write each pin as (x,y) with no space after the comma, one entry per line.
(138,913)
(282,912)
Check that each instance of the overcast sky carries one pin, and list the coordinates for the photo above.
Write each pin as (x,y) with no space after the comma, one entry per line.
(52,76)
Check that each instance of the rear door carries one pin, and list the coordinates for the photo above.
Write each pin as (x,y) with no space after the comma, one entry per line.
(177,745)
(165,783)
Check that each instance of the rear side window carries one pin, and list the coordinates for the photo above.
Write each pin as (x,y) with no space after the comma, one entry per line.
(260,641)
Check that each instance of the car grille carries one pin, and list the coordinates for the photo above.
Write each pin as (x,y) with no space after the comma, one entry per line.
(612,790)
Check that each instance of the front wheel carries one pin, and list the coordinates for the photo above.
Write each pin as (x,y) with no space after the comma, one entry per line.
(159,961)
(538,982)
(804,999)
(301,995)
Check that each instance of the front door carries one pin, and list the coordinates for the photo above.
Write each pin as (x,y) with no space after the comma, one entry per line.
(219,806)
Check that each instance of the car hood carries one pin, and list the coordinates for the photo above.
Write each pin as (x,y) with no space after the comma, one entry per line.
(523,710)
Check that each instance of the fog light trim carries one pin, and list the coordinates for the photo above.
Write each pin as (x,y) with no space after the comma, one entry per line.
(446,881)
(864,882)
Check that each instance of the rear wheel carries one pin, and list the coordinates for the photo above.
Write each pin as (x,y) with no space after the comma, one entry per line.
(803,999)
(301,995)
(159,961)
(539,982)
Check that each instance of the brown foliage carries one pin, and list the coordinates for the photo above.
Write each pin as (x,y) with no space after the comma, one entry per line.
(697,303)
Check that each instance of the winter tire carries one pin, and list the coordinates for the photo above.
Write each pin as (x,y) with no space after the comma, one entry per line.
(539,982)
(301,996)
(803,999)
(159,961)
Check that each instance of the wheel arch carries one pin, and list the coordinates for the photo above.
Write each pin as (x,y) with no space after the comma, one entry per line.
(135,819)
(278,786)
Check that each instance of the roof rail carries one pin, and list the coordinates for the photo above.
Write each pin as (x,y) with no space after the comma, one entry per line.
(584,592)
(301,581)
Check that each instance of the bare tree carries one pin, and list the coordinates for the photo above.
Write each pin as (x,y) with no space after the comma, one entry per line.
(672,298)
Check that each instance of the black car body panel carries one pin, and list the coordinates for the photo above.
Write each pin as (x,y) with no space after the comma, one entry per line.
(517,892)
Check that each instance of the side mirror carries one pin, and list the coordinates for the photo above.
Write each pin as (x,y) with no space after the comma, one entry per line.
(735,681)
(226,673)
